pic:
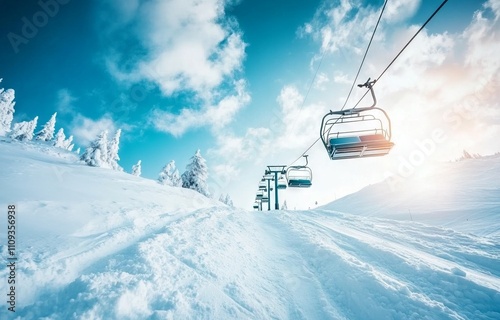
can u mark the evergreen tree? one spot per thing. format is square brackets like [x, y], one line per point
[170, 175]
[6, 110]
[222, 198]
[47, 132]
[228, 200]
[68, 143]
[78, 150]
[284, 206]
[23, 131]
[113, 157]
[60, 139]
[136, 169]
[96, 154]
[196, 175]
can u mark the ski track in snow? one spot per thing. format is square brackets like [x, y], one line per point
[223, 263]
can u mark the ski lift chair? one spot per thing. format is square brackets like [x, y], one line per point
[265, 197]
[282, 182]
[259, 195]
[299, 176]
[262, 185]
[356, 133]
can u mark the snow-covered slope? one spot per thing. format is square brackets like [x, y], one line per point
[462, 195]
[99, 244]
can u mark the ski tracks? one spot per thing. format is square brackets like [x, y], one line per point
[388, 274]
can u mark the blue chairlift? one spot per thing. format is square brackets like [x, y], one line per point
[299, 176]
[357, 132]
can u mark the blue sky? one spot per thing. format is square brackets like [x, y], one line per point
[230, 78]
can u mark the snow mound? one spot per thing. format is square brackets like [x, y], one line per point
[462, 195]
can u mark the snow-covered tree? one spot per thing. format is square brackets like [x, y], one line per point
[78, 150]
[68, 143]
[170, 176]
[23, 131]
[196, 175]
[284, 206]
[136, 169]
[96, 154]
[60, 139]
[71, 146]
[6, 110]
[228, 200]
[113, 146]
[47, 132]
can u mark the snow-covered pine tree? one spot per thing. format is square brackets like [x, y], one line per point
[6, 110]
[71, 146]
[284, 206]
[96, 154]
[196, 175]
[113, 146]
[170, 175]
[23, 131]
[136, 169]
[176, 179]
[67, 143]
[222, 198]
[228, 200]
[60, 138]
[47, 132]
[78, 150]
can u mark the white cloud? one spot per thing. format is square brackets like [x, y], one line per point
[217, 116]
[65, 102]
[191, 45]
[299, 121]
[86, 130]
[321, 81]
[187, 46]
[400, 10]
[341, 78]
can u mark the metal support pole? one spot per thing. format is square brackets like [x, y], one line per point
[276, 203]
[268, 195]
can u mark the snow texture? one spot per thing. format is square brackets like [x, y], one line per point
[463, 195]
[102, 244]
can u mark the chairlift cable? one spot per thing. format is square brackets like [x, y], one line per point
[403, 49]
[385, 70]
[355, 79]
[366, 52]
[303, 153]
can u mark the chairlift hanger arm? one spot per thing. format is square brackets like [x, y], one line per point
[368, 84]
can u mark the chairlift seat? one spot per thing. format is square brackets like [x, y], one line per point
[299, 183]
[359, 146]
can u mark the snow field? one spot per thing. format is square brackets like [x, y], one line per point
[100, 244]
